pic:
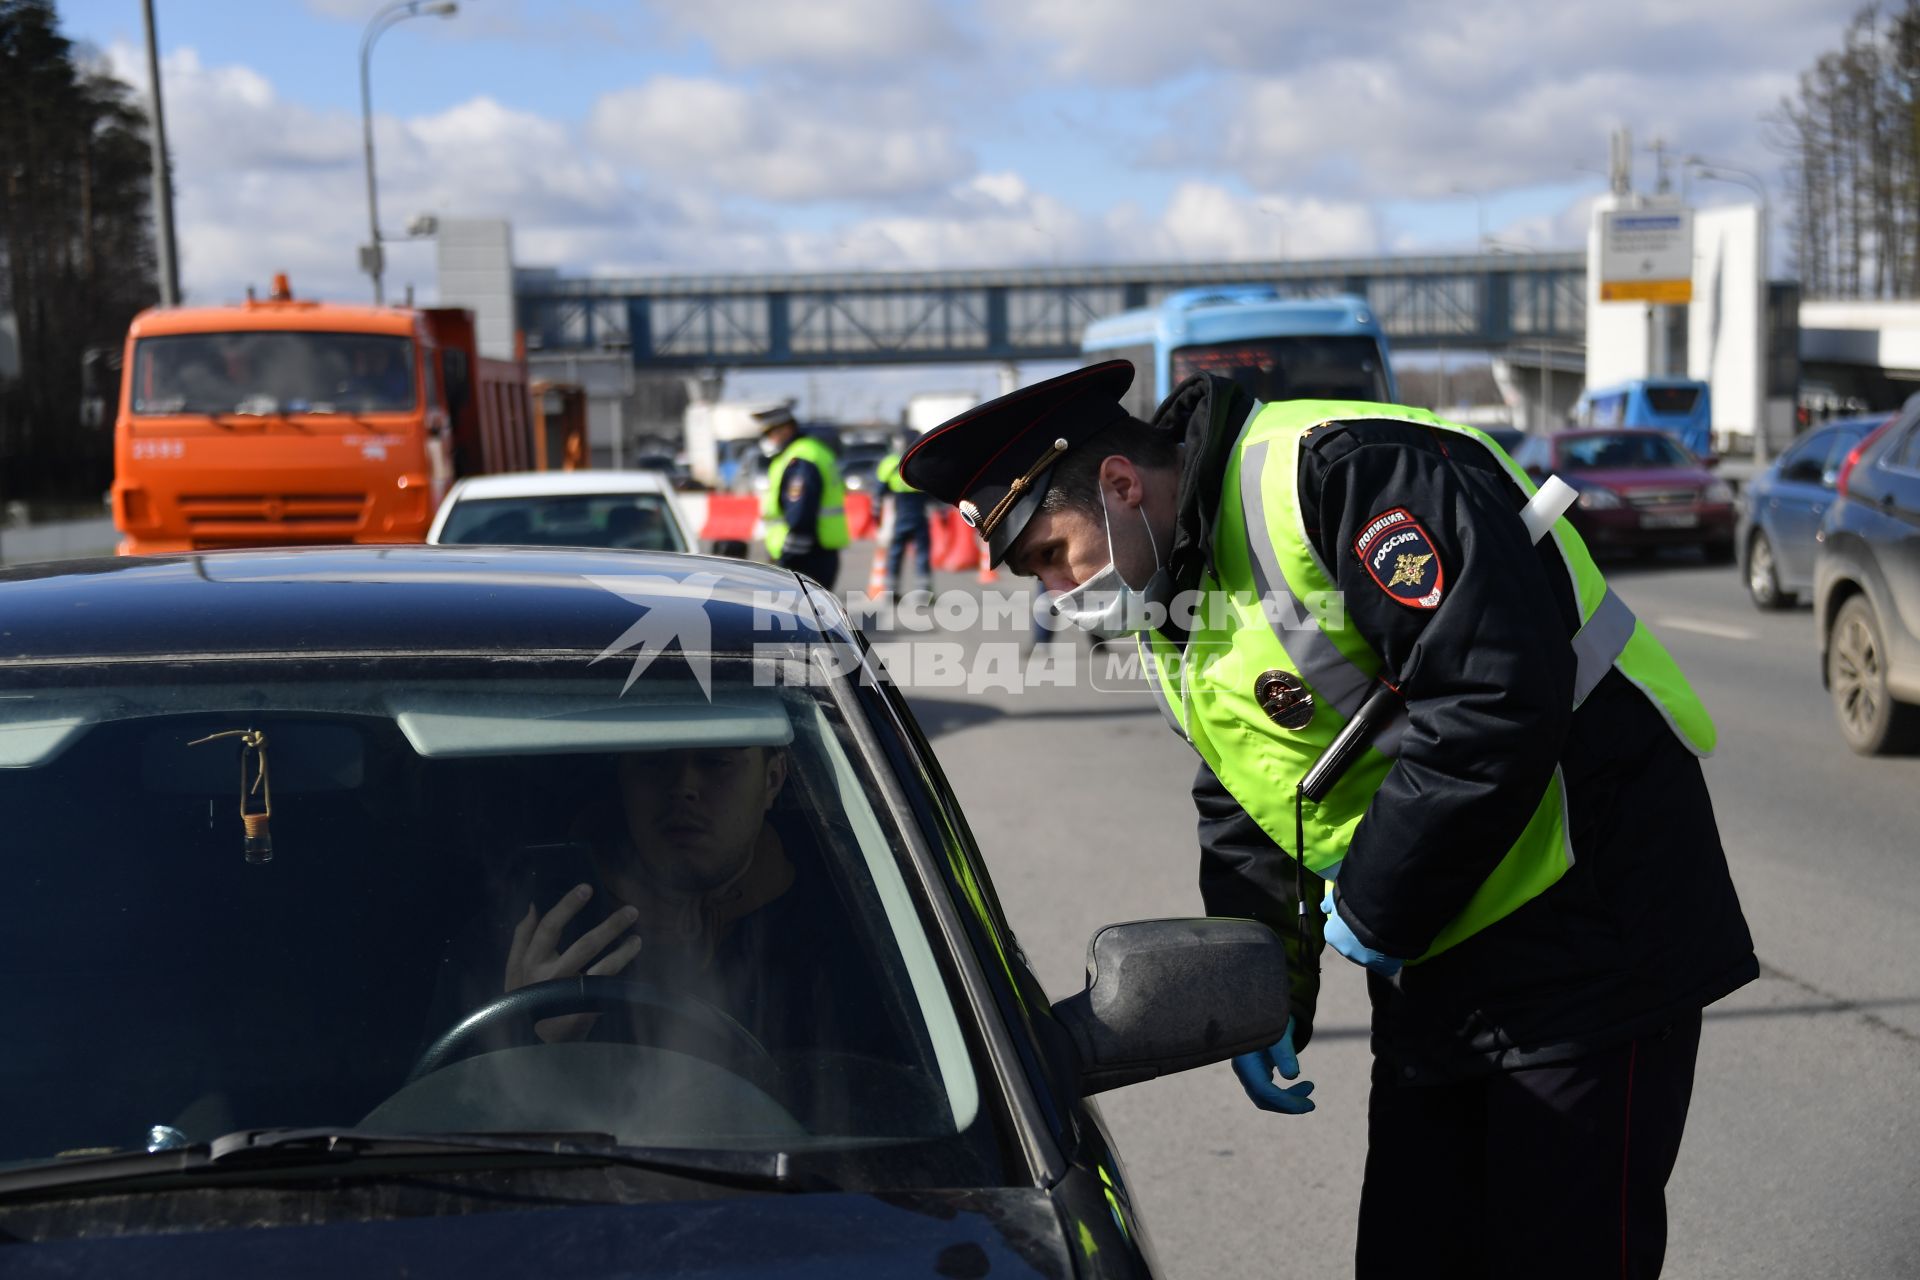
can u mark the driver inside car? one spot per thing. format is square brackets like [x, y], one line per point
[692, 856]
[699, 886]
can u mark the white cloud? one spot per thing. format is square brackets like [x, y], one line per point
[262, 184]
[774, 145]
[1271, 129]
[997, 220]
[860, 37]
[1138, 42]
[1404, 99]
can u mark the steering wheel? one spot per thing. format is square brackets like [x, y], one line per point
[674, 1020]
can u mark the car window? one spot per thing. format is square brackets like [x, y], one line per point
[1624, 451]
[634, 521]
[1844, 441]
[1904, 454]
[420, 832]
[1813, 447]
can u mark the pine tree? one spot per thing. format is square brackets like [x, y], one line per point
[76, 246]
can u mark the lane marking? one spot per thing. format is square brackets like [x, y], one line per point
[1715, 629]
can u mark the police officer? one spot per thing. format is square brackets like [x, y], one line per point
[909, 522]
[1524, 857]
[805, 511]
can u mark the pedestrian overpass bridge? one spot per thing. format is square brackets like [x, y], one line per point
[684, 323]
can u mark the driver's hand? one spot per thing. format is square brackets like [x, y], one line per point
[535, 955]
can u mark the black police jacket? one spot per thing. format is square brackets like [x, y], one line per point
[1646, 926]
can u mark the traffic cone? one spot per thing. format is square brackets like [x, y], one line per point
[877, 581]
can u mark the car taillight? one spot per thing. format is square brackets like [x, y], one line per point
[1853, 456]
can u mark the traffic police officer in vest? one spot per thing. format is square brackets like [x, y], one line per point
[909, 522]
[1521, 851]
[804, 515]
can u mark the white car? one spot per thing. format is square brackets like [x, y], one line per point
[626, 509]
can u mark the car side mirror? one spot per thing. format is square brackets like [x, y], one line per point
[1169, 995]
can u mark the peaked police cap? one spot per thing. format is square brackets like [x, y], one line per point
[995, 460]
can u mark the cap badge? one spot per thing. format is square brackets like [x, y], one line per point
[1284, 698]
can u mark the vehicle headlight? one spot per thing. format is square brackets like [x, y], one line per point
[1599, 499]
[1717, 491]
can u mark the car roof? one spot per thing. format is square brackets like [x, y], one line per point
[1579, 433]
[1857, 422]
[367, 601]
[544, 484]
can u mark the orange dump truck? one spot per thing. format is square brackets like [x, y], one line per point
[288, 421]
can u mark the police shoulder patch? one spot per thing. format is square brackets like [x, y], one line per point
[796, 489]
[1402, 559]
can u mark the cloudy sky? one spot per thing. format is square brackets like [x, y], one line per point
[674, 135]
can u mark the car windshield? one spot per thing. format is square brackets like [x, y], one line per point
[638, 521]
[1623, 451]
[273, 372]
[1301, 368]
[428, 839]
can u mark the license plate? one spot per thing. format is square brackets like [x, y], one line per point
[1672, 520]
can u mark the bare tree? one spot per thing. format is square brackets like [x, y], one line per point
[1850, 140]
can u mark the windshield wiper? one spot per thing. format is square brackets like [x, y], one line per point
[328, 1150]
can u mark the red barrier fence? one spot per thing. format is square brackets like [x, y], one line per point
[863, 519]
[729, 517]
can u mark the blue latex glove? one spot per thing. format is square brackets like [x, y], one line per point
[1256, 1077]
[1342, 939]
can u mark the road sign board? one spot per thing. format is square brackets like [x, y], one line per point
[1646, 255]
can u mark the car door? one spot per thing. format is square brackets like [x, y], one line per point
[1896, 495]
[1800, 491]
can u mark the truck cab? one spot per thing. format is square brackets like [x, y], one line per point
[288, 421]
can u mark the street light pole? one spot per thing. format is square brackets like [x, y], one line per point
[372, 258]
[162, 174]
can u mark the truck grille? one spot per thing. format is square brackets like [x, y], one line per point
[1663, 497]
[306, 512]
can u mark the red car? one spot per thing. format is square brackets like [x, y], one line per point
[1640, 490]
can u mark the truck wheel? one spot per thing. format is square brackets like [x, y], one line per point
[1870, 720]
[1763, 574]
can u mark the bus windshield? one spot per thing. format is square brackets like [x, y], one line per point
[273, 372]
[1667, 401]
[1345, 367]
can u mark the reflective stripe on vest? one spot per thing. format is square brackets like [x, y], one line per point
[830, 526]
[1316, 658]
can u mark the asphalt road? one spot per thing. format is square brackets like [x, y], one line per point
[1802, 1158]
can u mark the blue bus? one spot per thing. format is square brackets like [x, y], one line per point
[1278, 348]
[1683, 406]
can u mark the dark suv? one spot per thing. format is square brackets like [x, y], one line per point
[1866, 582]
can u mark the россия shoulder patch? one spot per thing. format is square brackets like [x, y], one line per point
[1402, 559]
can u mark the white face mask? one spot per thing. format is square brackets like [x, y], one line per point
[768, 449]
[1106, 602]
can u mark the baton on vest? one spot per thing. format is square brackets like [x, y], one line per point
[1548, 504]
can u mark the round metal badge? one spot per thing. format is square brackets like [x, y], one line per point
[1284, 698]
[970, 514]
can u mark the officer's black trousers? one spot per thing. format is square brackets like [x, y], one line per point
[1552, 1171]
[822, 566]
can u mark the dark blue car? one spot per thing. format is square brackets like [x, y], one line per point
[1866, 590]
[1782, 509]
[479, 912]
